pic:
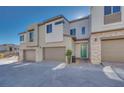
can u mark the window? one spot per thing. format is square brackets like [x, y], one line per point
[59, 22]
[15, 49]
[10, 49]
[31, 36]
[116, 9]
[73, 31]
[49, 28]
[107, 10]
[22, 38]
[83, 30]
[111, 9]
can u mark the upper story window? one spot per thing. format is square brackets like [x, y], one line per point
[31, 36]
[111, 10]
[59, 22]
[83, 30]
[49, 28]
[73, 31]
[116, 9]
[22, 38]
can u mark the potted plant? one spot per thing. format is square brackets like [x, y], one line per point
[69, 55]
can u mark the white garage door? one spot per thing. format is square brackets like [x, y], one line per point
[113, 50]
[29, 55]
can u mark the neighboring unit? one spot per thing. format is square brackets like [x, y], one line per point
[9, 49]
[107, 36]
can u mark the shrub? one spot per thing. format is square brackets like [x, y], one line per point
[69, 54]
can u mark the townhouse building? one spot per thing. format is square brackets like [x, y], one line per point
[98, 37]
[50, 39]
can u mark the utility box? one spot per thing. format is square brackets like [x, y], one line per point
[73, 59]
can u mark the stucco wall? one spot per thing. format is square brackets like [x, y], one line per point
[66, 27]
[78, 26]
[43, 43]
[57, 32]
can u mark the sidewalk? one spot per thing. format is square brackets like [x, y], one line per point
[8, 60]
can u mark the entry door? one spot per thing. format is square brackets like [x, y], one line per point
[84, 51]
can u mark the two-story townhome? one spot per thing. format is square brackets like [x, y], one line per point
[50, 39]
[107, 34]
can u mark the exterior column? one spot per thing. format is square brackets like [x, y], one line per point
[95, 49]
[39, 54]
[21, 56]
[69, 45]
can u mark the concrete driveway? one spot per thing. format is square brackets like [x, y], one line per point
[118, 68]
[44, 75]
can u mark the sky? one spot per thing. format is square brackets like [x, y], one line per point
[15, 19]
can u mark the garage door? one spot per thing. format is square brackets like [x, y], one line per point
[113, 50]
[29, 55]
[54, 53]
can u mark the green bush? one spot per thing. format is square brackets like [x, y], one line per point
[69, 55]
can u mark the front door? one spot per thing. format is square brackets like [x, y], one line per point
[84, 51]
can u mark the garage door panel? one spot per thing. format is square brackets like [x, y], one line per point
[29, 55]
[54, 54]
[113, 50]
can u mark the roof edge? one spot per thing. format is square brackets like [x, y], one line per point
[83, 18]
[52, 19]
[22, 32]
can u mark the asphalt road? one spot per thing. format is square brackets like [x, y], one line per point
[43, 75]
